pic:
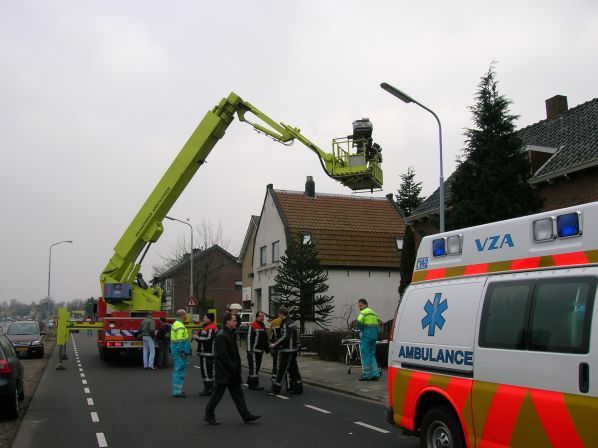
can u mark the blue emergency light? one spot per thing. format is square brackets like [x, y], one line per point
[439, 247]
[568, 225]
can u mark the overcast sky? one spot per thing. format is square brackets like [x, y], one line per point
[97, 98]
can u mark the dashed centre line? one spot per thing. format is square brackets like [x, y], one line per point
[90, 401]
[375, 428]
[86, 390]
[323, 411]
[101, 440]
[94, 417]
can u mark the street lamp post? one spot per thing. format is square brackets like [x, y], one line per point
[49, 277]
[190, 254]
[407, 99]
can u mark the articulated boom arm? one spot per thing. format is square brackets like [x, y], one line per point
[122, 284]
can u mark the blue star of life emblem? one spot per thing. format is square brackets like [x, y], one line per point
[434, 312]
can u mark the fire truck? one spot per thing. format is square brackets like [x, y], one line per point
[355, 161]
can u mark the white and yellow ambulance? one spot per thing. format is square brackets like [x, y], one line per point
[495, 343]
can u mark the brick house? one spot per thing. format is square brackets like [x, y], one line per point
[217, 274]
[356, 238]
[563, 153]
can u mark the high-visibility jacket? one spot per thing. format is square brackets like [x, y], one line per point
[368, 323]
[178, 332]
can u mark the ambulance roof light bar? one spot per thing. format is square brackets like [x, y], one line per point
[448, 245]
[562, 226]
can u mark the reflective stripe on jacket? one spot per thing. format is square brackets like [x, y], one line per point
[368, 323]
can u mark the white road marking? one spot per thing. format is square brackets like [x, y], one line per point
[94, 417]
[82, 375]
[323, 411]
[90, 401]
[80, 370]
[280, 396]
[101, 440]
[86, 390]
[84, 381]
[375, 428]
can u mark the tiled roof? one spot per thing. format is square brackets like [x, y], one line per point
[351, 231]
[575, 136]
[197, 255]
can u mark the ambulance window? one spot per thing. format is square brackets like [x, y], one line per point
[561, 315]
[504, 318]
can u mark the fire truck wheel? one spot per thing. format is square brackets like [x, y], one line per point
[441, 429]
[104, 355]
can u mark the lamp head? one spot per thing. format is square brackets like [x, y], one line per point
[396, 92]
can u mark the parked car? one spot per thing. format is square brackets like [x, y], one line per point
[11, 378]
[26, 337]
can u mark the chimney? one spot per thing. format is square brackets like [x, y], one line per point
[310, 187]
[555, 106]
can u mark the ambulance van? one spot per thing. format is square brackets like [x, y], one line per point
[495, 342]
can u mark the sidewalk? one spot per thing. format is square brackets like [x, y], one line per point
[330, 375]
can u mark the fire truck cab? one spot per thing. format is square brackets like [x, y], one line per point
[495, 342]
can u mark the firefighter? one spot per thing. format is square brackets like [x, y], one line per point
[287, 356]
[257, 343]
[206, 345]
[180, 348]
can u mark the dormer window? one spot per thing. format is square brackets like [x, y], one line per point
[306, 238]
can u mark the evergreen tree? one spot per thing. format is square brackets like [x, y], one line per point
[491, 183]
[408, 199]
[301, 285]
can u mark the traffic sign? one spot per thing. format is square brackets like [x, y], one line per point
[191, 302]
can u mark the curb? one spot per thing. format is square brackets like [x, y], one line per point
[377, 398]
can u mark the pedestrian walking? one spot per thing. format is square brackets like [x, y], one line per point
[274, 336]
[257, 344]
[148, 331]
[228, 374]
[180, 348]
[163, 337]
[368, 335]
[287, 356]
[207, 351]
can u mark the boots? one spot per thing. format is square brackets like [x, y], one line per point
[253, 383]
[208, 387]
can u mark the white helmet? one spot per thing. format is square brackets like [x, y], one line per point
[235, 306]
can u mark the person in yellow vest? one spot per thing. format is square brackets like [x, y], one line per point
[274, 331]
[180, 347]
[368, 334]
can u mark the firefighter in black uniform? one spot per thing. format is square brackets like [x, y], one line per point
[275, 336]
[257, 344]
[206, 345]
[287, 356]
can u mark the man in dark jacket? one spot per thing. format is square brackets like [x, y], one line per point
[257, 344]
[228, 373]
[287, 356]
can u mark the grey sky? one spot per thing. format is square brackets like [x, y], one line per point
[97, 98]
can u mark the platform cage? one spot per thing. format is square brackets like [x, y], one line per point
[356, 163]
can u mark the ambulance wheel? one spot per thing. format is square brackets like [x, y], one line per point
[441, 429]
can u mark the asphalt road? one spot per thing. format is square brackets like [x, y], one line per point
[118, 404]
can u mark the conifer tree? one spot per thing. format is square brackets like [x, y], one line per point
[409, 193]
[408, 199]
[301, 285]
[491, 183]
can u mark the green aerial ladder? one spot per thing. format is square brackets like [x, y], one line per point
[354, 161]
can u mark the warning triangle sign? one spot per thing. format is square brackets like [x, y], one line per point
[191, 302]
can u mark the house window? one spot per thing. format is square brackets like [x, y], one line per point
[263, 256]
[273, 307]
[275, 251]
[306, 238]
[399, 242]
